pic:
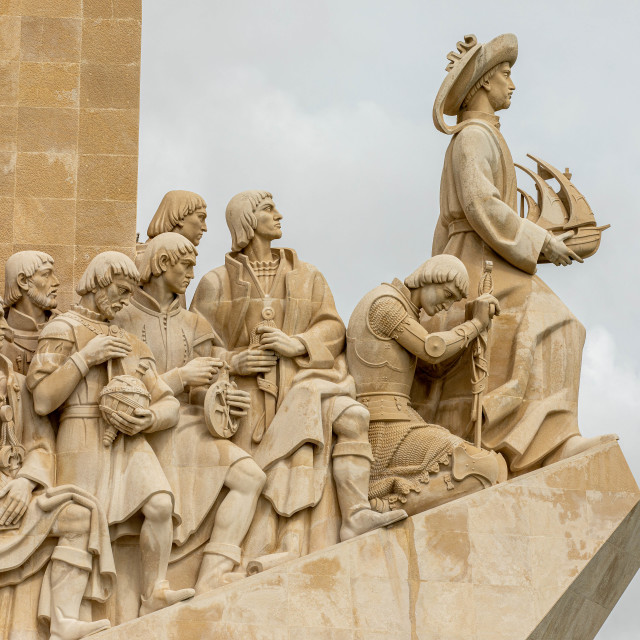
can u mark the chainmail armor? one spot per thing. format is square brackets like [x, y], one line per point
[385, 315]
[405, 453]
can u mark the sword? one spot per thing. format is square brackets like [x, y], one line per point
[267, 382]
[479, 361]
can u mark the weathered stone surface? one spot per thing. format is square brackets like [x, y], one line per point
[546, 555]
[69, 105]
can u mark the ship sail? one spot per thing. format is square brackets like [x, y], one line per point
[566, 210]
[580, 213]
[553, 214]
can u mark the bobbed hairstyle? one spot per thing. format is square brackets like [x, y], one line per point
[170, 245]
[440, 270]
[174, 208]
[25, 263]
[103, 269]
[241, 217]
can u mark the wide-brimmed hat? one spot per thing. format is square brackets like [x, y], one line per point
[466, 67]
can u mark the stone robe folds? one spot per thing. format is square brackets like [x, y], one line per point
[535, 345]
[195, 463]
[126, 474]
[295, 449]
[26, 549]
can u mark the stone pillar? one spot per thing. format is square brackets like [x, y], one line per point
[69, 111]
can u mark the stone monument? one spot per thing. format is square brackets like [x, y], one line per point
[249, 468]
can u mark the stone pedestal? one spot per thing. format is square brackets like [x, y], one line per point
[69, 108]
[546, 556]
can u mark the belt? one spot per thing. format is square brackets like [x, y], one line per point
[81, 411]
[459, 226]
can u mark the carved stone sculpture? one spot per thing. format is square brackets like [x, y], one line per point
[530, 408]
[416, 465]
[283, 338]
[30, 295]
[182, 212]
[41, 524]
[78, 352]
[197, 465]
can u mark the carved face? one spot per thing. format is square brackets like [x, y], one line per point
[438, 297]
[269, 217]
[178, 276]
[42, 287]
[500, 87]
[110, 299]
[193, 226]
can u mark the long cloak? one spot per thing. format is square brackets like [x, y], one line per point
[535, 345]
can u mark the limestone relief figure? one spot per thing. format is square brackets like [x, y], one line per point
[416, 465]
[182, 212]
[151, 453]
[30, 296]
[39, 523]
[283, 339]
[78, 351]
[196, 464]
[530, 407]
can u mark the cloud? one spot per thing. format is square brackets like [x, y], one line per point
[610, 394]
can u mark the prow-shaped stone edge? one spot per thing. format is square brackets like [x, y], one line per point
[585, 605]
[502, 564]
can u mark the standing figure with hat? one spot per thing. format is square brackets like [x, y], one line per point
[530, 409]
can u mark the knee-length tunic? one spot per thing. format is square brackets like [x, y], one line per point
[195, 463]
[125, 475]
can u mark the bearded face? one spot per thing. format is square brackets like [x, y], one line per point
[110, 299]
[42, 288]
[44, 300]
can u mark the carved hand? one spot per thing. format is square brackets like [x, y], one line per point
[484, 308]
[238, 401]
[557, 252]
[252, 361]
[130, 425]
[200, 371]
[277, 340]
[103, 348]
[15, 500]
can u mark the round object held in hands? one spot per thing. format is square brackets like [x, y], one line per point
[219, 421]
[124, 394]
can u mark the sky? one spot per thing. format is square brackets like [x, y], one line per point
[328, 106]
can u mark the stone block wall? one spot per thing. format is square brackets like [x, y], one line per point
[69, 111]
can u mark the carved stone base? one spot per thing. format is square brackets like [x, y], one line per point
[546, 555]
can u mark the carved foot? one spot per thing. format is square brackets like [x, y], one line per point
[215, 571]
[576, 445]
[163, 597]
[69, 629]
[367, 520]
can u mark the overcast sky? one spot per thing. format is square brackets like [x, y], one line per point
[328, 106]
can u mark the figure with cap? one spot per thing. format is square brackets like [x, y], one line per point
[530, 409]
